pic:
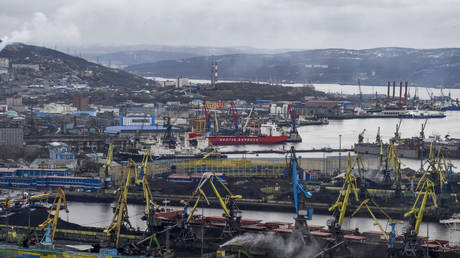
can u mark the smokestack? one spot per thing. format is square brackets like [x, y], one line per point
[394, 89]
[388, 94]
[400, 93]
[405, 93]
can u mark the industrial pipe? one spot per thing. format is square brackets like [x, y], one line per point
[400, 93]
[405, 93]
[394, 89]
[388, 93]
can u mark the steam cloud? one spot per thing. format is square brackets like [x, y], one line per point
[42, 30]
[4, 42]
[293, 246]
[257, 23]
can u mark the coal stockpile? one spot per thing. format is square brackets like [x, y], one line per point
[38, 216]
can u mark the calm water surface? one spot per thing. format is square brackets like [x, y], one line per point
[100, 215]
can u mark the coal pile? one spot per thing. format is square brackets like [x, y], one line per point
[38, 216]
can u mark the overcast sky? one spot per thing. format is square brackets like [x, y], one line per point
[301, 24]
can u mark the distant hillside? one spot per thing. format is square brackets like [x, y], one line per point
[127, 58]
[122, 56]
[57, 68]
[424, 67]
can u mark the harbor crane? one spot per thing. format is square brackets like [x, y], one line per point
[120, 216]
[228, 203]
[293, 116]
[105, 169]
[390, 238]
[361, 136]
[141, 178]
[437, 170]
[393, 163]
[340, 206]
[235, 115]
[247, 119]
[378, 138]
[392, 222]
[397, 136]
[415, 215]
[208, 118]
[51, 222]
[302, 215]
[422, 132]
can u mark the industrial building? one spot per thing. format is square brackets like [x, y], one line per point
[11, 132]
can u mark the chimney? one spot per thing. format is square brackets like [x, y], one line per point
[394, 89]
[388, 94]
[400, 93]
[405, 94]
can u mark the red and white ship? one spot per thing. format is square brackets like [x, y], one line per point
[243, 140]
[268, 135]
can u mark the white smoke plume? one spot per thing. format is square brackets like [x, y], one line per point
[4, 42]
[42, 29]
[275, 245]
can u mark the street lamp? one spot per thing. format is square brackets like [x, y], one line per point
[340, 152]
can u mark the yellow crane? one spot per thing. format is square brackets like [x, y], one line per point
[437, 169]
[426, 190]
[120, 215]
[56, 206]
[200, 162]
[227, 203]
[104, 171]
[395, 163]
[391, 221]
[416, 216]
[340, 205]
[208, 177]
[141, 178]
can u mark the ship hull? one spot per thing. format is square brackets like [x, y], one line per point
[403, 151]
[244, 140]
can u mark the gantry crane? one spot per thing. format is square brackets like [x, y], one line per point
[51, 222]
[416, 216]
[231, 212]
[104, 171]
[340, 206]
[120, 216]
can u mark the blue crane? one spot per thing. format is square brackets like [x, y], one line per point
[296, 187]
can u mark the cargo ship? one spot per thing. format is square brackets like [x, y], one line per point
[268, 134]
[243, 140]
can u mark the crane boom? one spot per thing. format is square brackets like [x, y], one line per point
[104, 172]
[426, 190]
[348, 186]
[58, 200]
[121, 211]
[235, 115]
[247, 119]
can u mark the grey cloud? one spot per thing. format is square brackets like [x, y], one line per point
[256, 23]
